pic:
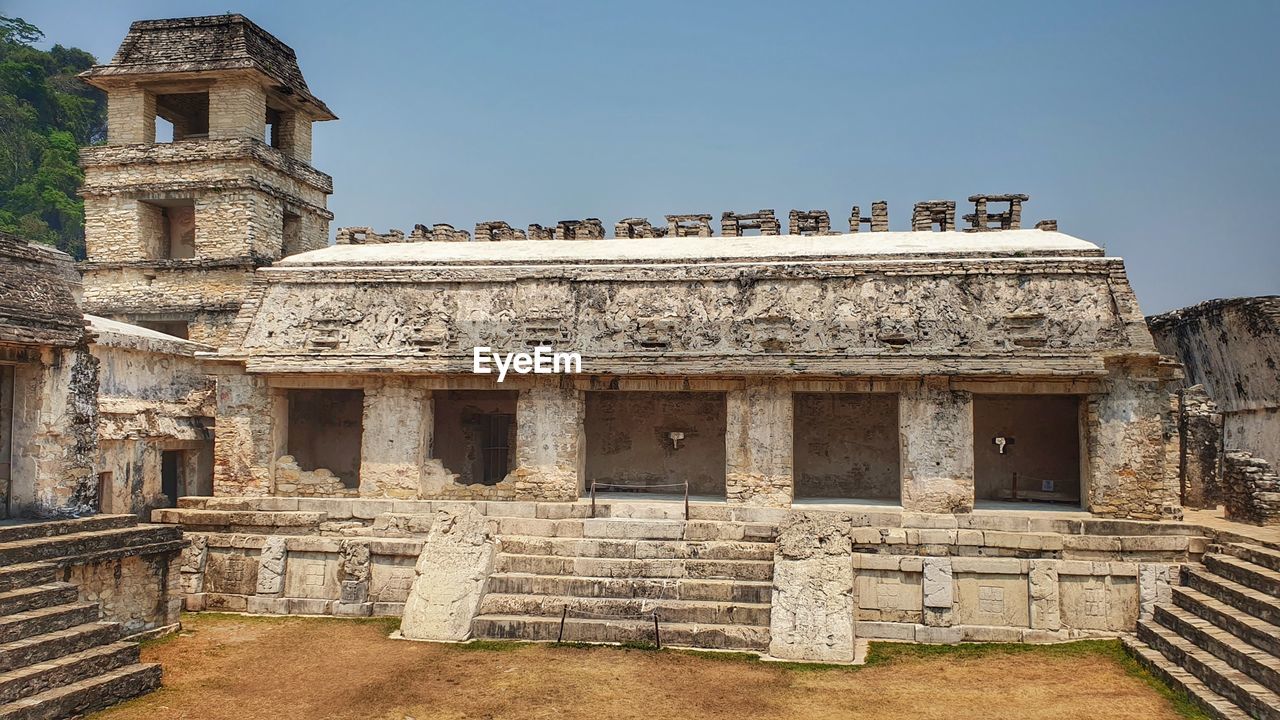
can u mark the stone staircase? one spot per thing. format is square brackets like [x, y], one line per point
[57, 658]
[1219, 638]
[708, 581]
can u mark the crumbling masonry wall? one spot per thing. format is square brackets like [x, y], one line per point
[1250, 489]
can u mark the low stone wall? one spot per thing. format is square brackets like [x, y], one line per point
[893, 575]
[1250, 489]
[142, 592]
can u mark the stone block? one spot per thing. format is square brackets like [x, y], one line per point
[267, 605]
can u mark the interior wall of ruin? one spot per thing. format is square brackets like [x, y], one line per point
[1044, 453]
[758, 466]
[629, 440]
[462, 427]
[249, 434]
[325, 430]
[846, 446]
[550, 441]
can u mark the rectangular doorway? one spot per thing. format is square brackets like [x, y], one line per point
[847, 447]
[654, 442]
[171, 476]
[474, 434]
[1026, 448]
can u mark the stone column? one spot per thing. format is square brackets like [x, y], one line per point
[1127, 427]
[550, 447]
[1200, 461]
[396, 437]
[269, 599]
[758, 444]
[244, 443]
[936, 435]
[131, 116]
[813, 611]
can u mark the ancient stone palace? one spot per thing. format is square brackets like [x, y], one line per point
[787, 432]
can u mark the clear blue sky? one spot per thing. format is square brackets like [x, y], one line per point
[1152, 128]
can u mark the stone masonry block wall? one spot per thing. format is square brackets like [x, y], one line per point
[245, 436]
[1200, 461]
[237, 108]
[758, 463]
[1127, 429]
[937, 448]
[142, 592]
[131, 116]
[1250, 489]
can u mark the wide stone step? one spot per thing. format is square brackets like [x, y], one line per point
[26, 531]
[677, 611]
[620, 567]
[34, 679]
[1244, 572]
[1241, 597]
[637, 549]
[39, 648]
[86, 695]
[37, 549]
[13, 577]
[612, 587]
[1256, 554]
[37, 596]
[1257, 632]
[1157, 664]
[1248, 694]
[1237, 653]
[723, 637]
[45, 620]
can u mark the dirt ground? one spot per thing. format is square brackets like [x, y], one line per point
[227, 666]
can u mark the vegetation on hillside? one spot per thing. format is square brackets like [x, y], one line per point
[46, 115]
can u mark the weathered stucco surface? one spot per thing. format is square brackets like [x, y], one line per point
[813, 599]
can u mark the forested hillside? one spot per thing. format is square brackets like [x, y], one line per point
[45, 115]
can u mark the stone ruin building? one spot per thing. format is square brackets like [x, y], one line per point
[781, 443]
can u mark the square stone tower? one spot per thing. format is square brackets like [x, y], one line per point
[174, 228]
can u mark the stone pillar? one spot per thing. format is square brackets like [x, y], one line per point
[244, 438]
[131, 116]
[271, 569]
[396, 437]
[1126, 428]
[1046, 609]
[353, 600]
[550, 447]
[237, 109]
[758, 444]
[813, 609]
[936, 436]
[1200, 460]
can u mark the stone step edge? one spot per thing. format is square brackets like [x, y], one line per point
[99, 699]
[1154, 661]
[673, 603]
[1235, 588]
[42, 588]
[638, 623]
[602, 578]
[141, 530]
[18, 675]
[30, 531]
[109, 554]
[566, 540]
[112, 632]
[1257, 662]
[1273, 556]
[1269, 576]
[1237, 680]
[759, 563]
[1253, 622]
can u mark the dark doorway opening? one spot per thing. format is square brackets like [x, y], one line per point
[474, 433]
[171, 475]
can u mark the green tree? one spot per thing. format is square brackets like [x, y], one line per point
[46, 115]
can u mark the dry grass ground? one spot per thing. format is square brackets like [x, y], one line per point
[227, 666]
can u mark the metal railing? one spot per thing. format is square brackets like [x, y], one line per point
[633, 487]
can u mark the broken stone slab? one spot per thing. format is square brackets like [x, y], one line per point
[450, 577]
